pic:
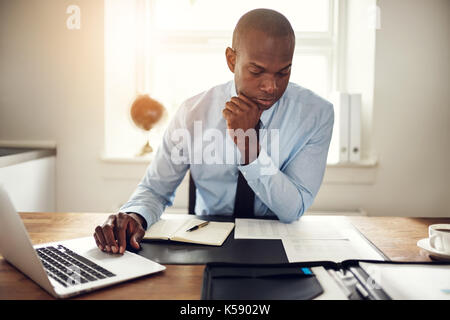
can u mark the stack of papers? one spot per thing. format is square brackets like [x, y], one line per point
[411, 282]
[311, 238]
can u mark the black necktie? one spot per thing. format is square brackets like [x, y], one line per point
[245, 197]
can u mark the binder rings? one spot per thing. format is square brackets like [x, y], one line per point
[231, 281]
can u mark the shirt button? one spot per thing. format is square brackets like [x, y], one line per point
[244, 173]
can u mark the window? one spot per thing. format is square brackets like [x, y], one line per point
[174, 49]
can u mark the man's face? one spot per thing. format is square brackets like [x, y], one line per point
[261, 66]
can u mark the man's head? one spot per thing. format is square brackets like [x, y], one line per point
[261, 57]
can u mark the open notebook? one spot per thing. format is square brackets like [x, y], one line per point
[213, 234]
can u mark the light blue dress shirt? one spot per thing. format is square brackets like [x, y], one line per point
[285, 177]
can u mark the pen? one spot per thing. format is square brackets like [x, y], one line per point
[201, 225]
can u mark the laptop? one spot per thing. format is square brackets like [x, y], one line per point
[65, 268]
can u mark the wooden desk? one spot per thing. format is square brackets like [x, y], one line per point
[396, 237]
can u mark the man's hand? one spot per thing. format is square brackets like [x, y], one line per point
[118, 230]
[242, 113]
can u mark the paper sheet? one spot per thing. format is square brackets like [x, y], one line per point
[337, 250]
[411, 282]
[309, 227]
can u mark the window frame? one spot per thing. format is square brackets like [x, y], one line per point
[330, 44]
[327, 44]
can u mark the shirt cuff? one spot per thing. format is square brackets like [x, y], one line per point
[149, 217]
[261, 166]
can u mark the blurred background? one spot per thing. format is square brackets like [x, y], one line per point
[70, 71]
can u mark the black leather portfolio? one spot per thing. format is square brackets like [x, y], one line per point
[256, 251]
[232, 250]
[294, 281]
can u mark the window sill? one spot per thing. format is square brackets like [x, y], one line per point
[355, 173]
[126, 159]
[359, 173]
[367, 163]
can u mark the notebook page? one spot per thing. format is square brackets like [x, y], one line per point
[215, 233]
[164, 228]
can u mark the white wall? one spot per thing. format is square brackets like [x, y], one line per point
[52, 88]
[360, 64]
[31, 184]
[411, 116]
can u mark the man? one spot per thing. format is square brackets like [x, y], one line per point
[260, 97]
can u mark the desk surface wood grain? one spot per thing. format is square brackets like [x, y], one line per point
[395, 236]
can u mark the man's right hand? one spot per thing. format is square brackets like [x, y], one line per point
[119, 230]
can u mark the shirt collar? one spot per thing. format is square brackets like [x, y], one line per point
[266, 115]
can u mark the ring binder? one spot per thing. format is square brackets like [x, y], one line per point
[358, 284]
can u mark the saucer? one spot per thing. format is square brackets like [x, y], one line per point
[425, 245]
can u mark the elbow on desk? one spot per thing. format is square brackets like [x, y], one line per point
[294, 216]
[303, 200]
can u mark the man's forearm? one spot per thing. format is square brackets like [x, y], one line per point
[275, 189]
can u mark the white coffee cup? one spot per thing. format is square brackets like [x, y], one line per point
[439, 237]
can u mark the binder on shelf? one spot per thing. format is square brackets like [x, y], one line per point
[355, 128]
[343, 101]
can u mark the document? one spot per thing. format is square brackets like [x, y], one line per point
[215, 233]
[307, 227]
[337, 250]
[411, 282]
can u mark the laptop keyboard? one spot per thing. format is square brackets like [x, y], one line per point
[69, 268]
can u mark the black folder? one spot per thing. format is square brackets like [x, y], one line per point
[229, 281]
[232, 250]
[289, 281]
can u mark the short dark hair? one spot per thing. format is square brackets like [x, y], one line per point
[268, 21]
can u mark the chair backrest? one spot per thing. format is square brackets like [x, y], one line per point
[192, 195]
